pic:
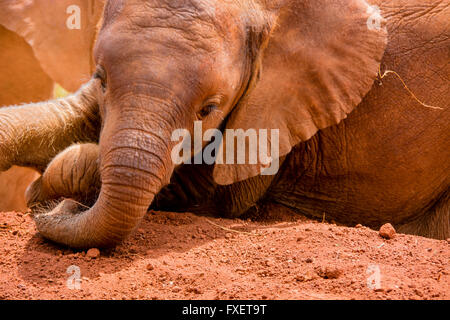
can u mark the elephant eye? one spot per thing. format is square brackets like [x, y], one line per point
[206, 110]
[101, 75]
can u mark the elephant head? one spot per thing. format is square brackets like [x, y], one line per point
[296, 66]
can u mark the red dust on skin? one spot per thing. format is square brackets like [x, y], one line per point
[185, 256]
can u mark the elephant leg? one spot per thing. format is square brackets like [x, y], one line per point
[71, 174]
[433, 224]
[192, 188]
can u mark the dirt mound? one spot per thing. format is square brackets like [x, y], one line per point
[184, 256]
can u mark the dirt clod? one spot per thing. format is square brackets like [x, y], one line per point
[195, 290]
[93, 253]
[387, 231]
[308, 276]
[176, 289]
[329, 272]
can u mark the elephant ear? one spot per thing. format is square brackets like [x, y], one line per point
[321, 59]
[51, 29]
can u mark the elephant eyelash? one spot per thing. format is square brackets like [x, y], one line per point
[207, 110]
[100, 75]
[103, 84]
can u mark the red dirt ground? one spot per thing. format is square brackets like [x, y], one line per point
[185, 256]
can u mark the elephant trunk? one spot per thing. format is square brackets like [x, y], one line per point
[134, 165]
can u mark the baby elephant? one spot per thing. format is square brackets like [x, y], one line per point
[303, 78]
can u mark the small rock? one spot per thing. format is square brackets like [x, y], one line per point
[308, 276]
[387, 231]
[93, 253]
[195, 290]
[309, 260]
[448, 240]
[418, 293]
[241, 270]
[133, 249]
[268, 262]
[176, 289]
[150, 267]
[329, 272]
[358, 226]
[300, 278]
